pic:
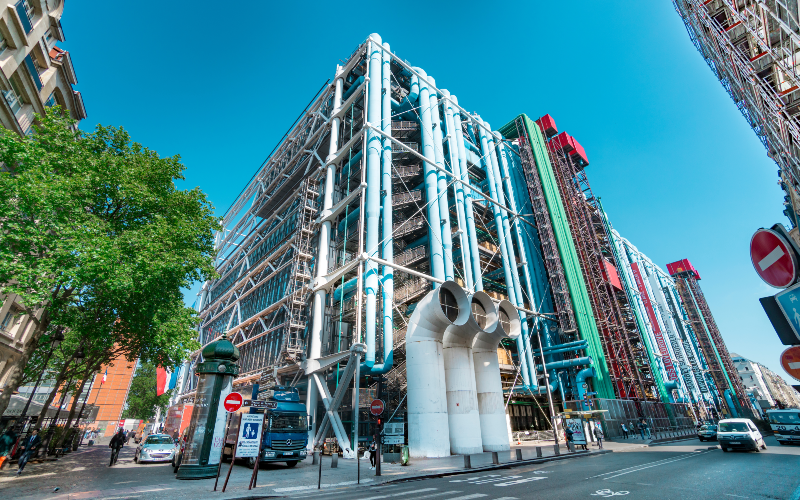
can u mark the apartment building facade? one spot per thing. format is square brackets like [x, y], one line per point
[34, 74]
[766, 385]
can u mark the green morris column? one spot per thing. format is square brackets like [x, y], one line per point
[207, 427]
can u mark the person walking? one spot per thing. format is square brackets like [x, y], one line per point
[30, 446]
[646, 429]
[598, 435]
[624, 431]
[7, 441]
[117, 442]
[640, 427]
[373, 452]
[568, 434]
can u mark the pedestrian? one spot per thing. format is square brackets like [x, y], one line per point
[133, 436]
[175, 435]
[568, 434]
[646, 429]
[640, 427]
[30, 445]
[7, 441]
[624, 431]
[127, 436]
[373, 452]
[598, 434]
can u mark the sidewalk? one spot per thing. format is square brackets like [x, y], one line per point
[85, 474]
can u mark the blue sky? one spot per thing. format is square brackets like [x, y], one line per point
[679, 172]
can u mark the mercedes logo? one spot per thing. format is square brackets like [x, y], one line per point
[288, 442]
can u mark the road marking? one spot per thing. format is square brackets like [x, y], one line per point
[608, 493]
[520, 481]
[469, 497]
[407, 492]
[637, 466]
[771, 258]
[732, 495]
[302, 488]
[656, 465]
[507, 498]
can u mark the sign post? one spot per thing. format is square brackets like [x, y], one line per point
[773, 258]
[790, 361]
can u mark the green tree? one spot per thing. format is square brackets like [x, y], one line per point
[142, 401]
[96, 237]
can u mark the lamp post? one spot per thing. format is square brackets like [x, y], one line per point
[57, 338]
[207, 427]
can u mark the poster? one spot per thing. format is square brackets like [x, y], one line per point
[576, 426]
[218, 441]
[249, 435]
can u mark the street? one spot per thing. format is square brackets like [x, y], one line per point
[684, 470]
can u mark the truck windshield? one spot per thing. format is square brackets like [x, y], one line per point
[791, 418]
[287, 422]
[733, 427]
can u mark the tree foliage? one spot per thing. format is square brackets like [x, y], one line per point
[96, 236]
[142, 402]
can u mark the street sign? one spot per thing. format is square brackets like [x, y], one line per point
[261, 405]
[233, 402]
[790, 361]
[773, 258]
[376, 407]
[249, 435]
[789, 303]
[394, 428]
[393, 439]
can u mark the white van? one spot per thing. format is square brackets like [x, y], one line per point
[739, 434]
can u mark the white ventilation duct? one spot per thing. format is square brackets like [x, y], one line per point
[459, 373]
[491, 409]
[428, 428]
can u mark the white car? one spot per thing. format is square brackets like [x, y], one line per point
[739, 434]
[156, 448]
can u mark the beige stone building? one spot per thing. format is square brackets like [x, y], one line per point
[34, 74]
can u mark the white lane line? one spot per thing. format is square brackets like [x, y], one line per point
[732, 495]
[520, 481]
[400, 494]
[469, 497]
[657, 465]
[304, 488]
[507, 498]
[637, 466]
[771, 258]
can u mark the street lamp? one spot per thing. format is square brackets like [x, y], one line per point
[207, 427]
[55, 340]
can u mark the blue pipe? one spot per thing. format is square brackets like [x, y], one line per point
[344, 289]
[349, 219]
[669, 386]
[567, 363]
[580, 379]
[548, 347]
[471, 146]
[352, 88]
[729, 399]
[413, 90]
[373, 197]
[523, 345]
[431, 183]
[554, 350]
[469, 216]
[347, 168]
[387, 253]
[444, 208]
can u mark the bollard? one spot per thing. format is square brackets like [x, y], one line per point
[556, 450]
[334, 461]
[315, 460]
[467, 462]
[538, 452]
[495, 458]
[519, 454]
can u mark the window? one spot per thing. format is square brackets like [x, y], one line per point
[449, 304]
[479, 312]
[7, 319]
[505, 322]
[51, 101]
[3, 43]
[28, 8]
[732, 427]
[25, 12]
[48, 39]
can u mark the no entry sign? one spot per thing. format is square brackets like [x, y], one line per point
[773, 258]
[233, 402]
[790, 360]
[376, 407]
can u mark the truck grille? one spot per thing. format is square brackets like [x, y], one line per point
[280, 445]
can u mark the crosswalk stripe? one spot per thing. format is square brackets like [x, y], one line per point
[402, 493]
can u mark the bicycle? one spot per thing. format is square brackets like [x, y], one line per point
[114, 456]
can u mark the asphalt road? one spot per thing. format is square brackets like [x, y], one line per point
[686, 470]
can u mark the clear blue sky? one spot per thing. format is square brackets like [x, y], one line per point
[680, 173]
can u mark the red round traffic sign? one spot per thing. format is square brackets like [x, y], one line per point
[773, 258]
[376, 407]
[233, 402]
[790, 361]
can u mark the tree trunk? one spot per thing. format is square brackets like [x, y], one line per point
[59, 380]
[17, 372]
[77, 392]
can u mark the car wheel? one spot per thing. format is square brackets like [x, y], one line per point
[763, 445]
[725, 449]
[757, 448]
[782, 443]
[291, 463]
[701, 440]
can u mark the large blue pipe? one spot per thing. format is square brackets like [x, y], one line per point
[387, 278]
[431, 182]
[373, 196]
[455, 167]
[352, 88]
[580, 379]
[441, 183]
[567, 363]
[523, 346]
[732, 406]
[469, 217]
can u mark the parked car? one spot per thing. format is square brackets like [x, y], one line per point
[739, 434]
[707, 432]
[155, 448]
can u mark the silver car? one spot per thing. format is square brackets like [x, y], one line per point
[156, 448]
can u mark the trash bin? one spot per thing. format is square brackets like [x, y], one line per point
[404, 456]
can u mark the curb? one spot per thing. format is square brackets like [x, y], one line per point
[506, 465]
[672, 439]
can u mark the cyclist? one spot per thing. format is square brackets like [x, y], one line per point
[117, 442]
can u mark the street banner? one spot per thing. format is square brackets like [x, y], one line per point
[576, 426]
[249, 435]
